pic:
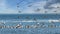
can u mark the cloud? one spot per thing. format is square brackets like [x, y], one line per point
[56, 7]
[33, 8]
[51, 6]
[50, 2]
[41, 7]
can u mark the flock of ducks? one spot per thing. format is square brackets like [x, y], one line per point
[38, 25]
[31, 26]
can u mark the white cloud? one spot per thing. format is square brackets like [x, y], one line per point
[30, 10]
[41, 5]
[56, 7]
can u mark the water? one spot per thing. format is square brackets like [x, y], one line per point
[15, 19]
[31, 16]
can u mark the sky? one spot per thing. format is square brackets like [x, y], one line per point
[29, 6]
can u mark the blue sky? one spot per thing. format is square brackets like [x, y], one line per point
[36, 6]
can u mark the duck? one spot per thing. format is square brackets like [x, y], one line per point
[19, 26]
[28, 26]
